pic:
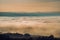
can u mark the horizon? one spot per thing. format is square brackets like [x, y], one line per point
[33, 12]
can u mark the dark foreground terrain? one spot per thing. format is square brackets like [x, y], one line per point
[16, 36]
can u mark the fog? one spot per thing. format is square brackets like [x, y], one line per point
[32, 25]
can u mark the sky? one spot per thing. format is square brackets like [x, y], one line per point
[29, 5]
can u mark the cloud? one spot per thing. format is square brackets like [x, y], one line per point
[29, 5]
[47, 0]
[9, 1]
[33, 26]
[46, 29]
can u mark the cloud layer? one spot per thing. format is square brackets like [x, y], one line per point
[33, 25]
[29, 5]
[29, 1]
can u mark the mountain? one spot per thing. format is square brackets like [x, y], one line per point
[29, 14]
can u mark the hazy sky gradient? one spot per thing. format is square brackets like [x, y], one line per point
[29, 5]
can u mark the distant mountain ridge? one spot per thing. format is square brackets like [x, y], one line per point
[29, 14]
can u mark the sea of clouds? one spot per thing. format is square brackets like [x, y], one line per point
[33, 25]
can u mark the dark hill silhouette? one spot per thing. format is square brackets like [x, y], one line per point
[16, 36]
[13, 14]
